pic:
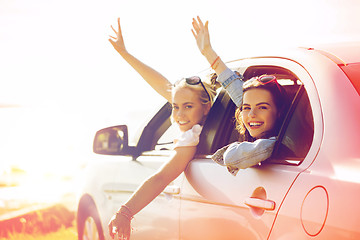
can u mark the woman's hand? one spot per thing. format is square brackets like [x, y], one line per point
[118, 41]
[120, 225]
[201, 34]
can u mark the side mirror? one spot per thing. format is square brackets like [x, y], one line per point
[112, 141]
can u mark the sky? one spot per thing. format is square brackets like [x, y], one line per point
[55, 55]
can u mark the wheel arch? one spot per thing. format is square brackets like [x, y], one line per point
[87, 207]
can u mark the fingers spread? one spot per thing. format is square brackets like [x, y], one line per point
[114, 30]
[119, 24]
[194, 33]
[200, 22]
[196, 26]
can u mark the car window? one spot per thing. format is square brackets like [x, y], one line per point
[297, 134]
[212, 128]
[165, 142]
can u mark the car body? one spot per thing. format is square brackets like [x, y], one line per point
[309, 188]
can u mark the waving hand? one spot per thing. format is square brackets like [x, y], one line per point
[157, 81]
[118, 41]
[201, 34]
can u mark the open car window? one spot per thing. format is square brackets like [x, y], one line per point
[296, 135]
[294, 139]
[166, 140]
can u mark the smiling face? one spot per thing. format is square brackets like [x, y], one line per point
[259, 112]
[188, 109]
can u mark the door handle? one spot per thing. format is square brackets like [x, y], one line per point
[172, 190]
[260, 203]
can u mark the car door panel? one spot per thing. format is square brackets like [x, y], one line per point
[125, 177]
[219, 197]
[318, 206]
[165, 207]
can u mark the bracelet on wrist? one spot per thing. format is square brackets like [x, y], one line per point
[128, 217]
[213, 64]
[125, 211]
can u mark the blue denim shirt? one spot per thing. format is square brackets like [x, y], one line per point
[233, 85]
[240, 155]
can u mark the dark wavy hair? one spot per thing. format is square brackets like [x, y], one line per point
[280, 99]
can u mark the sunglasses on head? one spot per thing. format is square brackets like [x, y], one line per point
[265, 79]
[195, 80]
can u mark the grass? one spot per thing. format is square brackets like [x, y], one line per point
[54, 223]
[62, 234]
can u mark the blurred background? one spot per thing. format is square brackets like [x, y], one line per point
[61, 80]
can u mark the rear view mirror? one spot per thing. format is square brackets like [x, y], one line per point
[111, 141]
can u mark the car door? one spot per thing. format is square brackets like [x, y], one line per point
[159, 219]
[218, 205]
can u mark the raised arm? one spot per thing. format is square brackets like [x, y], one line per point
[157, 81]
[229, 79]
[150, 189]
[202, 36]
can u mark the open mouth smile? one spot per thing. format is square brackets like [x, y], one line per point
[183, 122]
[255, 125]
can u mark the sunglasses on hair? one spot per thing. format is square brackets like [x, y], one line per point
[265, 79]
[195, 80]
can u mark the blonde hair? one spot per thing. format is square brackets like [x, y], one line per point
[199, 89]
[205, 97]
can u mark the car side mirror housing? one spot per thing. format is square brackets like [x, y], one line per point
[112, 141]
